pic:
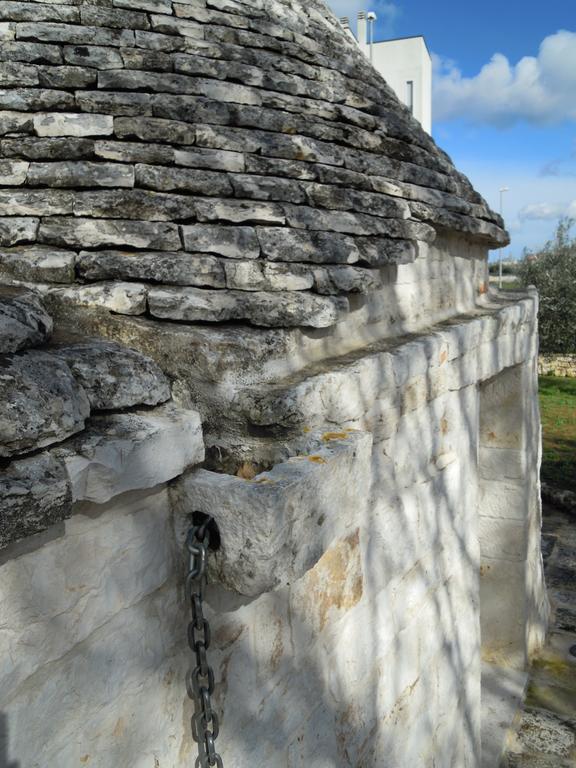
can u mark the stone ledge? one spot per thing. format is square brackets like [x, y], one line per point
[271, 527]
[118, 453]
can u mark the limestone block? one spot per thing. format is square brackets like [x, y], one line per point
[137, 450]
[17, 229]
[17, 74]
[13, 172]
[220, 160]
[154, 129]
[260, 308]
[135, 204]
[166, 267]
[15, 122]
[113, 376]
[232, 242]
[258, 276]
[240, 212]
[35, 494]
[122, 298]
[318, 247]
[67, 77]
[56, 124]
[35, 202]
[23, 322]
[345, 279]
[199, 182]
[94, 233]
[73, 34]
[36, 99]
[272, 527]
[380, 251]
[41, 401]
[81, 174]
[58, 148]
[98, 57]
[31, 262]
[134, 152]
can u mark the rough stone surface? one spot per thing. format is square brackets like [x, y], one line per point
[115, 377]
[217, 114]
[23, 322]
[125, 452]
[41, 401]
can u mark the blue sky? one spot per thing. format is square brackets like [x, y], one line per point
[504, 98]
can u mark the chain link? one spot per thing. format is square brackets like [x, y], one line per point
[200, 678]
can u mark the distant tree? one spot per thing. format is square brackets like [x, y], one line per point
[553, 271]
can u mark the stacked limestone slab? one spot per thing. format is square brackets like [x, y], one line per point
[72, 424]
[211, 161]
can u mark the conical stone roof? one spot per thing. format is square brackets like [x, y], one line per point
[211, 160]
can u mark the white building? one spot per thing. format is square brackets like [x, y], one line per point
[405, 63]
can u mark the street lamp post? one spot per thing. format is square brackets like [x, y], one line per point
[371, 18]
[502, 191]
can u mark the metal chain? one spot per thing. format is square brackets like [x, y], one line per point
[200, 679]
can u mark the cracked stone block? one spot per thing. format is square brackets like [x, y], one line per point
[114, 376]
[17, 229]
[122, 298]
[94, 233]
[35, 494]
[42, 403]
[13, 172]
[232, 242]
[37, 263]
[23, 322]
[128, 451]
[55, 124]
[281, 309]
[177, 268]
[271, 526]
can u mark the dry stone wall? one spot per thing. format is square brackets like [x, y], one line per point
[557, 365]
[211, 160]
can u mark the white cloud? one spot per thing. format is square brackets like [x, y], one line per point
[539, 90]
[547, 211]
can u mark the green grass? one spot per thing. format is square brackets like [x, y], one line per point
[558, 407]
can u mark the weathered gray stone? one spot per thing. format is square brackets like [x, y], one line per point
[279, 244]
[92, 56]
[260, 276]
[31, 262]
[23, 322]
[35, 202]
[124, 452]
[161, 267]
[121, 298]
[133, 152]
[41, 401]
[16, 229]
[154, 129]
[67, 77]
[178, 179]
[113, 376]
[233, 242]
[17, 74]
[81, 174]
[268, 188]
[134, 204]
[35, 99]
[64, 148]
[267, 309]
[73, 34]
[35, 494]
[114, 103]
[148, 60]
[345, 279]
[94, 233]
[35, 53]
[209, 158]
[15, 122]
[16, 11]
[240, 212]
[114, 18]
[379, 251]
[13, 172]
[55, 124]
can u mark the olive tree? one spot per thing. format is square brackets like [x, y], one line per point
[553, 271]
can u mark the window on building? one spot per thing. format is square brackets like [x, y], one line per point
[410, 95]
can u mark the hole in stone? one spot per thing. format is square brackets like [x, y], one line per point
[573, 650]
[214, 541]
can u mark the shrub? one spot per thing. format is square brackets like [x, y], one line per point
[553, 271]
